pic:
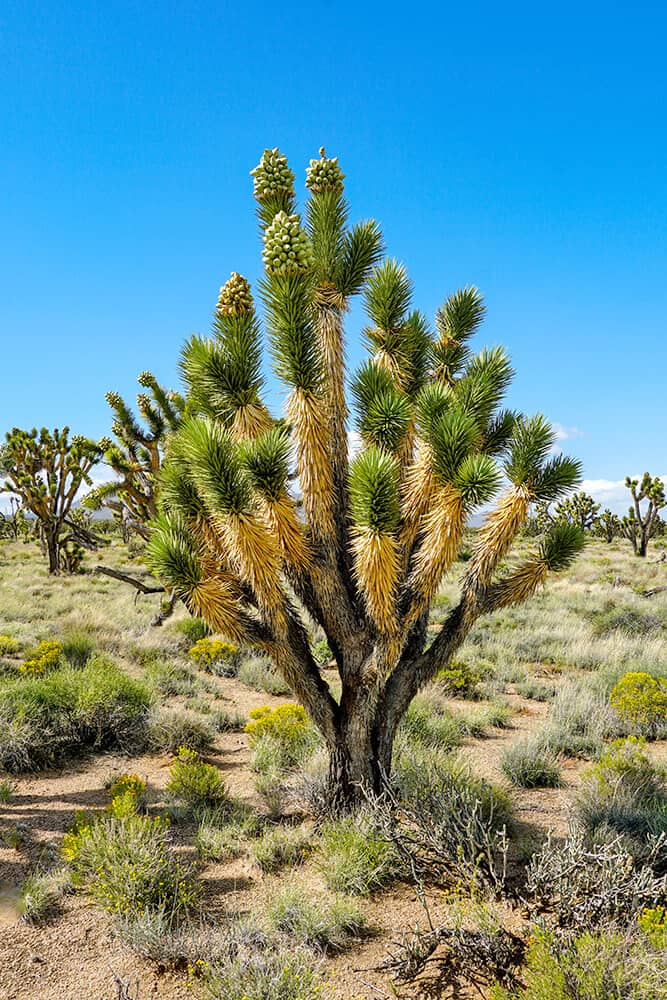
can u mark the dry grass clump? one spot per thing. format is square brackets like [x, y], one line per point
[531, 764]
[70, 710]
[325, 924]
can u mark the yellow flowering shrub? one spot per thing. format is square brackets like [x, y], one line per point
[640, 701]
[209, 653]
[44, 657]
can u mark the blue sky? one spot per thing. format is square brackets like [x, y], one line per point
[518, 147]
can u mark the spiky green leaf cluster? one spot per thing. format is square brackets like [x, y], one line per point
[374, 492]
[266, 460]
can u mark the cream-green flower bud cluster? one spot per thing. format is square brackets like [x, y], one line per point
[146, 379]
[143, 402]
[235, 296]
[286, 246]
[105, 443]
[113, 399]
[324, 174]
[272, 175]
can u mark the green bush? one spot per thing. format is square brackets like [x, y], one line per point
[45, 718]
[624, 791]
[452, 824]
[44, 657]
[41, 894]
[172, 678]
[427, 723]
[461, 680]
[324, 924]
[128, 795]
[529, 764]
[78, 647]
[128, 867]
[170, 729]
[193, 629]
[627, 620]
[259, 673]
[9, 646]
[641, 702]
[195, 783]
[215, 655]
[354, 857]
[281, 737]
[280, 846]
[221, 837]
[6, 789]
[594, 966]
[266, 975]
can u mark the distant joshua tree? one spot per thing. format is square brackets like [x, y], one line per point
[608, 526]
[137, 454]
[640, 526]
[363, 549]
[46, 471]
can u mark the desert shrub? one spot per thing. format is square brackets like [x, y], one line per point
[593, 966]
[281, 737]
[354, 857]
[6, 789]
[41, 894]
[9, 646]
[324, 924]
[266, 974]
[585, 884]
[495, 715]
[461, 680]
[271, 787]
[427, 723]
[641, 703]
[445, 823]
[611, 618]
[194, 782]
[322, 652]
[128, 867]
[78, 647]
[653, 923]
[535, 689]
[581, 718]
[279, 847]
[193, 629]
[259, 673]
[44, 718]
[529, 764]
[170, 729]
[221, 837]
[128, 795]
[215, 655]
[172, 678]
[186, 944]
[44, 657]
[228, 722]
[624, 791]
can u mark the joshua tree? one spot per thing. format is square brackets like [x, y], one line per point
[45, 471]
[137, 455]
[364, 548]
[608, 525]
[640, 526]
[580, 508]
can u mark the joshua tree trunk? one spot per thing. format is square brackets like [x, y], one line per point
[52, 548]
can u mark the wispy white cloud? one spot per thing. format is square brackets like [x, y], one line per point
[611, 493]
[564, 433]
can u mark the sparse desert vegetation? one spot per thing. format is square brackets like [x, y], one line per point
[179, 861]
